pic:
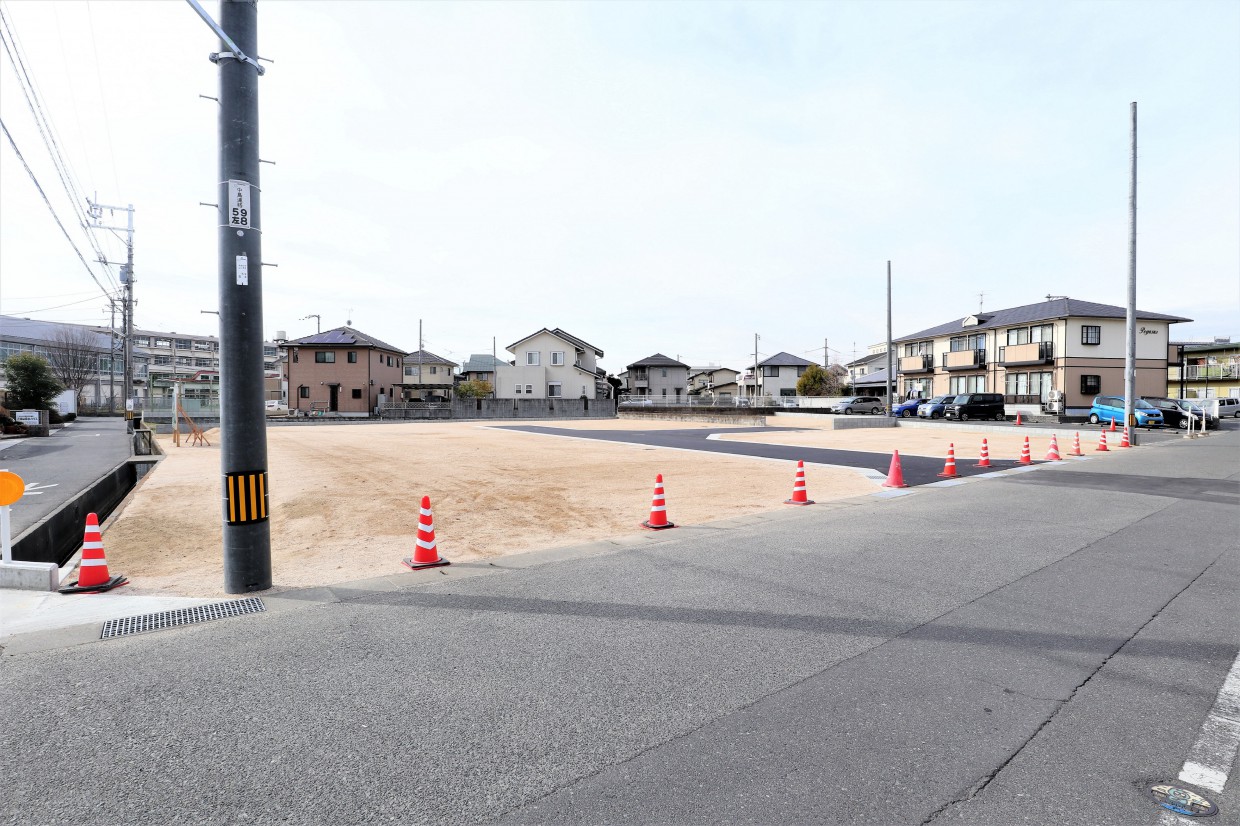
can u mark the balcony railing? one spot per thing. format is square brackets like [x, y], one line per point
[922, 363]
[1204, 372]
[964, 360]
[1035, 352]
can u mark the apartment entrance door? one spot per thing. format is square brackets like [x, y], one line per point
[333, 398]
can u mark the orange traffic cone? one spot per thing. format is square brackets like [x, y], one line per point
[658, 508]
[1102, 442]
[426, 552]
[895, 476]
[1052, 455]
[1124, 441]
[1025, 459]
[93, 570]
[1076, 445]
[949, 467]
[985, 460]
[1112, 424]
[1018, 422]
[799, 496]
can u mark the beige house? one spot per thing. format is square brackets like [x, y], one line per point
[711, 379]
[552, 364]
[1198, 370]
[427, 377]
[341, 372]
[1063, 344]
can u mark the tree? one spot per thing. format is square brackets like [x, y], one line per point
[817, 382]
[616, 384]
[473, 389]
[73, 356]
[31, 384]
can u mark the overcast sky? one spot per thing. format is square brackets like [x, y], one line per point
[651, 177]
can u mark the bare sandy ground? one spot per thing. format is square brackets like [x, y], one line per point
[344, 499]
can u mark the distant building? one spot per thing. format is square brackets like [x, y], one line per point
[779, 376]
[427, 377]
[658, 375]
[552, 364]
[1204, 370]
[341, 372]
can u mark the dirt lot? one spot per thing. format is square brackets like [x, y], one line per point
[344, 498]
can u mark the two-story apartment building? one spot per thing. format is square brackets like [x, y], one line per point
[1065, 344]
[658, 375]
[1204, 370]
[427, 377]
[552, 364]
[341, 372]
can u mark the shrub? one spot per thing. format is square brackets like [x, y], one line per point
[69, 417]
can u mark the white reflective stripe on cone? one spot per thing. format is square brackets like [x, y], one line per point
[87, 563]
[422, 543]
[658, 508]
[424, 511]
[92, 545]
[428, 527]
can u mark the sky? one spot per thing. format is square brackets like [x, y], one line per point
[672, 177]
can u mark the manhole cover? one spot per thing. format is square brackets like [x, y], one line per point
[1182, 801]
[181, 616]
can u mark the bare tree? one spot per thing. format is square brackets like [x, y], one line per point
[73, 354]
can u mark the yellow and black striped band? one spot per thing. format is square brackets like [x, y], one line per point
[245, 497]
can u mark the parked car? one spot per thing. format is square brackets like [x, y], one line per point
[976, 406]
[275, 407]
[1176, 413]
[789, 401]
[907, 409]
[933, 408]
[1229, 407]
[859, 404]
[1106, 409]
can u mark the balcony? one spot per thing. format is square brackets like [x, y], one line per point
[1205, 372]
[923, 363]
[1035, 352]
[964, 360]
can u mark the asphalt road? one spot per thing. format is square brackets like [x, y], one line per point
[1035, 648]
[59, 467]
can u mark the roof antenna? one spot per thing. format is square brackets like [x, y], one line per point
[980, 298]
[348, 322]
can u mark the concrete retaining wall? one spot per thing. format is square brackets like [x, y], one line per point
[533, 408]
[57, 536]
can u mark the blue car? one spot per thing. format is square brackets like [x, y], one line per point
[906, 409]
[933, 408]
[1111, 408]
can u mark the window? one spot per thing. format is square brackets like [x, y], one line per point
[531, 358]
[1091, 334]
[1041, 332]
[800, 372]
[664, 372]
[529, 389]
[141, 341]
[389, 364]
[1020, 335]
[202, 362]
[973, 342]
[434, 370]
[770, 372]
[357, 392]
[352, 357]
[185, 361]
[182, 344]
[665, 391]
[557, 358]
[324, 357]
[270, 352]
[1091, 385]
[296, 358]
[163, 342]
[917, 348]
[206, 345]
[303, 392]
[554, 389]
[967, 384]
[518, 390]
[163, 360]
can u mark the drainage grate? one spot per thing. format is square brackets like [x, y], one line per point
[181, 616]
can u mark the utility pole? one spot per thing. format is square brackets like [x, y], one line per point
[243, 425]
[1130, 351]
[756, 386]
[96, 212]
[826, 355]
[890, 378]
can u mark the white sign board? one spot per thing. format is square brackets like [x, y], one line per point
[243, 271]
[29, 417]
[239, 204]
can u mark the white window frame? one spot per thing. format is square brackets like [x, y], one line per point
[518, 390]
[555, 390]
[532, 358]
[557, 358]
[529, 389]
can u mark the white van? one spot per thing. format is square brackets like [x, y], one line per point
[1227, 407]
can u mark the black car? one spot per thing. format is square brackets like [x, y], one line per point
[1176, 413]
[976, 406]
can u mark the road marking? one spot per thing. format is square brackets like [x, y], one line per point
[1211, 756]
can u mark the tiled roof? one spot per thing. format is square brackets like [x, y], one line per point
[1042, 311]
[784, 360]
[658, 360]
[426, 357]
[482, 363]
[343, 337]
[878, 378]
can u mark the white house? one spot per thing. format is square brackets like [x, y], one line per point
[551, 364]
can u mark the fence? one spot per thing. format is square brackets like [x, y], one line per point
[467, 408]
[630, 402]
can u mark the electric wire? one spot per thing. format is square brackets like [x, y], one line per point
[47, 132]
[52, 209]
[59, 306]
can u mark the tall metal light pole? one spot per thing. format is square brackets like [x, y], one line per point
[1130, 351]
[243, 424]
[889, 399]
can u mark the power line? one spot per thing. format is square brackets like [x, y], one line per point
[51, 209]
[59, 306]
[47, 132]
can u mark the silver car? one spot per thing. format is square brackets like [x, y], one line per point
[859, 404]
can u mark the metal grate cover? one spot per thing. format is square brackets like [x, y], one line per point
[181, 616]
